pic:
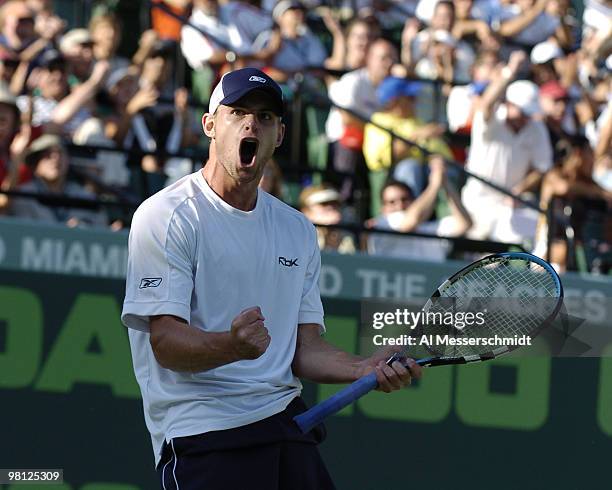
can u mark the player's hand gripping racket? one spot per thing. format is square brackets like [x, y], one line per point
[522, 294]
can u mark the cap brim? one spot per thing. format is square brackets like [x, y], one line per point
[233, 97]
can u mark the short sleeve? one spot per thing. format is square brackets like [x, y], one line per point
[376, 147]
[344, 92]
[160, 268]
[311, 308]
[196, 49]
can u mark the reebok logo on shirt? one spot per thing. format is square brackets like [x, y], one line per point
[288, 262]
[150, 282]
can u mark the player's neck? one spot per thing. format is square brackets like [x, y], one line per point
[241, 196]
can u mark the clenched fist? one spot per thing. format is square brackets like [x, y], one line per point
[249, 335]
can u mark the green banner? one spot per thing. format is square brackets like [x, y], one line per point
[69, 398]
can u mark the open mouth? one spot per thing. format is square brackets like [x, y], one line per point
[248, 151]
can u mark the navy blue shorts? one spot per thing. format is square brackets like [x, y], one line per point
[270, 454]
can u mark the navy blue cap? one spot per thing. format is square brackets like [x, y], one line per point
[392, 87]
[236, 84]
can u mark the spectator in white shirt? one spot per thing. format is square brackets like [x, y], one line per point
[199, 49]
[509, 148]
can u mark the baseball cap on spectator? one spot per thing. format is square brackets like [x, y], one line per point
[319, 194]
[524, 94]
[554, 90]
[393, 87]
[51, 58]
[236, 84]
[444, 37]
[75, 37]
[39, 146]
[545, 52]
[118, 75]
[284, 5]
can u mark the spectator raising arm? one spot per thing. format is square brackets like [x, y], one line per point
[513, 26]
[423, 206]
[81, 95]
[497, 87]
[462, 221]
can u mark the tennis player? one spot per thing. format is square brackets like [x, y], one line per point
[225, 314]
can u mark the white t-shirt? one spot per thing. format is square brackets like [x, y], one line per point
[198, 49]
[417, 248]
[459, 106]
[503, 157]
[194, 256]
[353, 90]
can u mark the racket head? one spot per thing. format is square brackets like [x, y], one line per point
[520, 294]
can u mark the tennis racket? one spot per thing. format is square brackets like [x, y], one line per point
[522, 294]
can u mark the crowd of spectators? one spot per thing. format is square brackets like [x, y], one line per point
[515, 92]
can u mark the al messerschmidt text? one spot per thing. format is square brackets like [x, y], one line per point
[496, 340]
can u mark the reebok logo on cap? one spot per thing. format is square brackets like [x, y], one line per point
[255, 78]
[236, 84]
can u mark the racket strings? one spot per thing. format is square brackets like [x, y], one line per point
[516, 297]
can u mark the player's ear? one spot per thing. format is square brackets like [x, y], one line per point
[280, 134]
[208, 124]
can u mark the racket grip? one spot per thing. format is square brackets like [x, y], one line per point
[335, 403]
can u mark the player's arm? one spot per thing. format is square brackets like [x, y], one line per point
[181, 347]
[319, 361]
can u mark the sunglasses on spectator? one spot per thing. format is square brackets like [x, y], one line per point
[24, 20]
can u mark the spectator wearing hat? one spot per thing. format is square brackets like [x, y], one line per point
[510, 148]
[57, 109]
[322, 205]
[292, 47]
[558, 116]
[356, 91]
[545, 58]
[134, 124]
[402, 211]
[49, 161]
[77, 48]
[396, 97]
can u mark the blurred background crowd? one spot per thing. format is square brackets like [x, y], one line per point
[487, 123]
